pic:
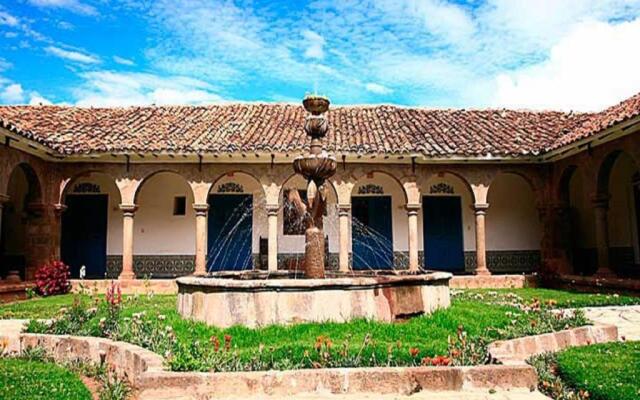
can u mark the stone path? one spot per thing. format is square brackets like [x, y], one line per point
[626, 318]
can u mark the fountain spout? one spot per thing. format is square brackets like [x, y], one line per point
[316, 167]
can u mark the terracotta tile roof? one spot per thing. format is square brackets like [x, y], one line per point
[597, 122]
[257, 127]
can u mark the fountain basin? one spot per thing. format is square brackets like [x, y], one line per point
[253, 299]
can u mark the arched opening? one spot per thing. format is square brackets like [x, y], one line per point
[619, 178]
[379, 223]
[291, 231]
[19, 214]
[237, 224]
[577, 231]
[448, 237]
[513, 227]
[164, 236]
[91, 231]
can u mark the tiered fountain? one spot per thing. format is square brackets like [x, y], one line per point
[255, 298]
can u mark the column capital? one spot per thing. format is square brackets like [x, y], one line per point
[601, 200]
[344, 209]
[201, 209]
[413, 209]
[59, 208]
[272, 209]
[480, 208]
[128, 210]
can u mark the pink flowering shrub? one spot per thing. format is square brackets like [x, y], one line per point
[53, 278]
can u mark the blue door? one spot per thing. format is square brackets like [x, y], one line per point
[372, 234]
[442, 221]
[230, 232]
[84, 234]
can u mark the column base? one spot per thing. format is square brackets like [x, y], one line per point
[605, 272]
[127, 276]
[483, 272]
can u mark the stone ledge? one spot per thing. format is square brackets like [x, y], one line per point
[493, 281]
[145, 372]
[517, 351]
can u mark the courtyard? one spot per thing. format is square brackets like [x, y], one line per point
[458, 336]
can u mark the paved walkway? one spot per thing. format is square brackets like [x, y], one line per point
[626, 318]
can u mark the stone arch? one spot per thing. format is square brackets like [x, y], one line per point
[91, 223]
[34, 193]
[22, 239]
[291, 240]
[513, 228]
[143, 181]
[394, 240]
[237, 182]
[618, 183]
[369, 172]
[165, 225]
[450, 184]
[562, 189]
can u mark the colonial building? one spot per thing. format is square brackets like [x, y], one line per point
[166, 191]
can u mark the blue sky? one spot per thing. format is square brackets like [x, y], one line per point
[540, 54]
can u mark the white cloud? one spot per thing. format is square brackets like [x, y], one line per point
[71, 5]
[314, 44]
[107, 88]
[377, 88]
[8, 19]
[72, 55]
[12, 94]
[123, 61]
[591, 68]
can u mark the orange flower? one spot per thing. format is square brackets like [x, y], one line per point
[414, 351]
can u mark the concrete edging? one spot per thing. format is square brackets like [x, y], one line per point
[517, 351]
[144, 369]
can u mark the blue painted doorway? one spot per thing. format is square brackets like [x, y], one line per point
[372, 234]
[84, 234]
[230, 232]
[443, 242]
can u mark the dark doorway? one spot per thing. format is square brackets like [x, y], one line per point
[372, 232]
[443, 243]
[230, 232]
[84, 234]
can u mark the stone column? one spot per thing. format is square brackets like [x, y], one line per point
[481, 247]
[272, 217]
[412, 212]
[128, 212]
[343, 237]
[601, 208]
[201, 238]
[3, 199]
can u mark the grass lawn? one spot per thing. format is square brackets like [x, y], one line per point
[482, 313]
[608, 371]
[33, 380]
[562, 298]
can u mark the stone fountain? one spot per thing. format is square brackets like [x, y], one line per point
[316, 167]
[258, 298]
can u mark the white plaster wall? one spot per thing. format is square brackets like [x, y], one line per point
[512, 221]
[295, 243]
[114, 215]
[13, 227]
[468, 217]
[250, 186]
[621, 205]
[398, 207]
[156, 230]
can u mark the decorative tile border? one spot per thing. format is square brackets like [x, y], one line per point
[153, 266]
[506, 261]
